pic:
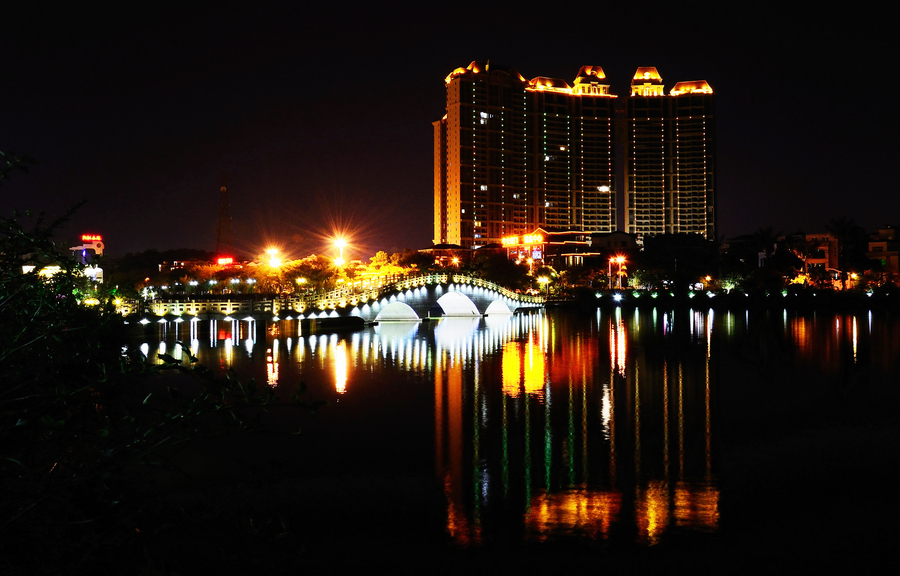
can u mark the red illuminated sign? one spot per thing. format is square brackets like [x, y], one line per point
[527, 240]
[226, 260]
[91, 238]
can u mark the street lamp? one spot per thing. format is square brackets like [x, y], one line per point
[544, 282]
[274, 261]
[619, 260]
[340, 243]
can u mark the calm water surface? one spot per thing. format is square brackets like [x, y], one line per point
[603, 426]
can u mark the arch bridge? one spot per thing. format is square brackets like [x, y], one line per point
[415, 297]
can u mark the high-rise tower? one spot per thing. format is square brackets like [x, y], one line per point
[224, 239]
[670, 158]
[513, 154]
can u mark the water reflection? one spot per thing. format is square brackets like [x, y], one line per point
[555, 443]
[548, 426]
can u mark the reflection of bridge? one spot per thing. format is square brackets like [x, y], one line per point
[415, 297]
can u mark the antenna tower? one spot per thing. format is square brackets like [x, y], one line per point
[224, 239]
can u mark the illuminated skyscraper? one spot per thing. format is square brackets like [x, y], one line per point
[512, 155]
[670, 158]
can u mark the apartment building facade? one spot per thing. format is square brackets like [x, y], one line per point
[512, 155]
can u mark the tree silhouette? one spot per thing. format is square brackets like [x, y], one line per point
[765, 239]
[802, 248]
[851, 241]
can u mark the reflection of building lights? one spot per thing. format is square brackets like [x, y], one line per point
[272, 364]
[652, 511]
[588, 512]
[340, 368]
[523, 365]
[696, 506]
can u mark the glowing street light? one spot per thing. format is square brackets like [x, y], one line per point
[274, 260]
[615, 260]
[544, 282]
[620, 260]
[340, 243]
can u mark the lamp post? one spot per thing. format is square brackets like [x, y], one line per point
[544, 282]
[620, 260]
[274, 261]
[340, 243]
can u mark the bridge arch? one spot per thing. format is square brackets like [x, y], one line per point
[457, 304]
[397, 311]
[472, 297]
[497, 307]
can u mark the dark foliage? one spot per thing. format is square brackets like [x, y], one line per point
[82, 423]
[681, 257]
[497, 268]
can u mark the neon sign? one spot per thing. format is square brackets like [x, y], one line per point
[91, 238]
[226, 260]
[526, 240]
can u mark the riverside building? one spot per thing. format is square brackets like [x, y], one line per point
[512, 155]
[670, 158]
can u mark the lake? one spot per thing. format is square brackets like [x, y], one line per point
[612, 429]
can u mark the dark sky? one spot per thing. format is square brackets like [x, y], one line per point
[322, 116]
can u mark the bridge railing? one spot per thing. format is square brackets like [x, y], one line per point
[369, 291]
[511, 294]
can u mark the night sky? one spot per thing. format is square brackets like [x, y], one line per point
[321, 117]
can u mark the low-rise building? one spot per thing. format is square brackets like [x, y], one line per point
[884, 248]
[563, 248]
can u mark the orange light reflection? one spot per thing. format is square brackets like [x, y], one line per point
[583, 512]
[340, 367]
